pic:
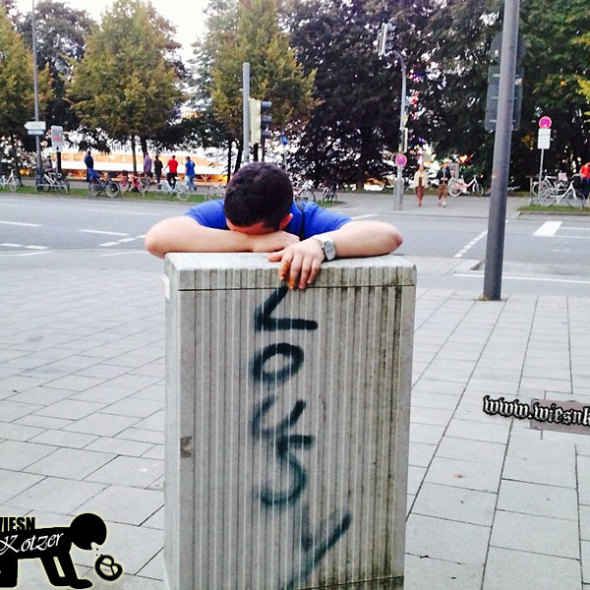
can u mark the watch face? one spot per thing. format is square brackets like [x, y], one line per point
[329, 250]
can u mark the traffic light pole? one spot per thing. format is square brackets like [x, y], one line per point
[492, 286]
[399, 182]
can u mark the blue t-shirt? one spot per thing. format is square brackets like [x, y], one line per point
[189, 168]
[314, 219]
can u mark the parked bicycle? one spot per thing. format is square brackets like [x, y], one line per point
[179, 190]
[329, 193]
[304, 192]
[54, 181]
[568, 192]
[215, 191]
[458, 186]
[13, 181]
[104, 185]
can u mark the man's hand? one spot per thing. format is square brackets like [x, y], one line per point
[278, 240]
[300, 263]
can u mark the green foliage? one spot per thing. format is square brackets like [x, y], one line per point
[358, 93]
[124, 85]
[554, 63]
[16, 82]
[251, 34]
[60, 32]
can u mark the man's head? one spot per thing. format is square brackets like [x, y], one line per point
[259, 194]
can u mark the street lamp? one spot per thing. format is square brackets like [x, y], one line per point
[382, 51]
[36, 95]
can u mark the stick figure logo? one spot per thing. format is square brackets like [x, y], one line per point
[20, 539]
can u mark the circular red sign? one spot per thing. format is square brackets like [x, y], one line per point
[545, 122]
[401, 160]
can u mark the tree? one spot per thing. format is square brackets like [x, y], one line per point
[275, 73]
[554, 63]
[60, 32]
[124, 85]
[16, 87]
[358, 93]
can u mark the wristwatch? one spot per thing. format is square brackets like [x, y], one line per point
[328, 247]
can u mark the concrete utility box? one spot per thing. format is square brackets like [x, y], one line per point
[287, 424]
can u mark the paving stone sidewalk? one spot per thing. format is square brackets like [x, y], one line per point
[493, 504]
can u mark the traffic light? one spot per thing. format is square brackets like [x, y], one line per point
[259, 120]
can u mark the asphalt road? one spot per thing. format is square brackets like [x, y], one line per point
[63, 232]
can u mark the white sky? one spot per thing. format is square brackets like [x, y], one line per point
[186, 15]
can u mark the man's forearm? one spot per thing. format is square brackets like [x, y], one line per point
[365, 238]
[184, 234]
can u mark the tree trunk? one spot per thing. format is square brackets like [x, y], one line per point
[133, 155]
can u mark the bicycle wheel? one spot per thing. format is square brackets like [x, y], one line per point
[63, 185]
[124, 185]
[144, 185]
[182, 191]
[94, 188]
[112, 189]
[454, 188]
[477, 189]
[15, 183]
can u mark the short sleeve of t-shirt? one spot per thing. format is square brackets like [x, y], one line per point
[209, 214]
[314, 219]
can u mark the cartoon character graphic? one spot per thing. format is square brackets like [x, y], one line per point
[52, 545]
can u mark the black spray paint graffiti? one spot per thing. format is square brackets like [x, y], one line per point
[313, 545]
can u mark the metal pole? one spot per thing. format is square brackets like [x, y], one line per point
[501, 164]
[540, 171]
[246, 111]
[399, 182]
[36, 95]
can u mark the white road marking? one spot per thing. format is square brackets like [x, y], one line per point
[104, 233]
[479, 275]
[459, 254]
[125, 240]
[20, 223]
[31, 247]
[107, 244]
[548, 229]
[8, 245]
[35, 253]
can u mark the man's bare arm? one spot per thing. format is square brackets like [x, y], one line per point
[301, 262]
[184, 234]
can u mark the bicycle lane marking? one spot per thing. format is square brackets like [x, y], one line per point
[548, 229]
[470, 245]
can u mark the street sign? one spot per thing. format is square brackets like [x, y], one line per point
[35, 132]
[544, 139]
[545, 122]
[57, 138]
[35, 126]
[401, 160]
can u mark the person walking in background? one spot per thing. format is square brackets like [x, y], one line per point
[172, 167]
[158, 168]
[147, 165]
[420, 183]
[89, 161]
[443, 176]
[585, 174]
[189, 172]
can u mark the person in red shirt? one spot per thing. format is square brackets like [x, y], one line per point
[585, 174]
[172, 166]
